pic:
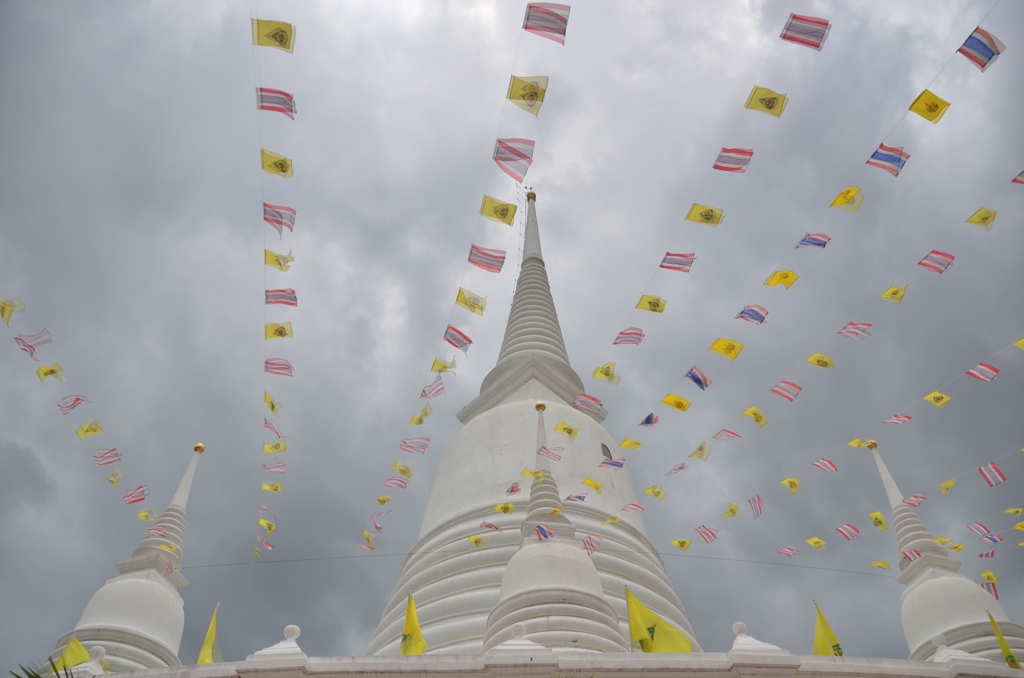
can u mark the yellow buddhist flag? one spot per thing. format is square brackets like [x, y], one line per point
[650, 302]
[209, 653]
[727, 348]
[383, 499]
[941, 541]
[676, 402]
[929, 106]
[369, 538]
[255, 551]
[702, 452]
[6, 310]
[786, 278]
[792, 483]
[115, 477]
[272, 405]
[441, 366]
[1008, 655]
[881, 564]
[732, 511]
[270, 487]
[764, 100]
[656, 491]
[817, 544]
[757, 415]
[278, 331]
[146, 515]
[681, 544]
[705, 214]
[279, 261]
[878, 520]
[168, 547]
[412, 637]
[536, 475]
[894, 294]
[858, 442]
[606, 372]
[850, 198]
[821, 360]
[590, 482]
[268, 526]
[275, 34]
[957, 547]
[274, 448]
[499, 211]
[1014, 511]
[73, 655]
[945, 486]
[984, 218]
[476, 540]
[418, 419]
[652, 632]
[554, 511]
[630, 444]
[989, 577]
[506, 508]
[470, 301]
[1020, 344]
[274, 163]
[53, 370]
[566, 430]
[402, 469]
[527, 92]
[89, 429]
[612, 520]
[937, 399]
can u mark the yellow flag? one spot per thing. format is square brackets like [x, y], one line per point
[274, 163]
[496, 210]
[612, 520]
[477, 541]
[764, 100]
[652, 632]
[1014, 511]
[536, 475]
[681, 544]
[757, 415]
[470, 301]
[255, 551]
[945, 487]
[676, 402]
[369, 538]
[821, 360]
[705, 214]
[146, 515]
[418, 419]
[73, 655]
[792, 483]
[630, 444]
[268, 526]
[656, 492]
[278, 331]
[403, 469]
[566, 430]
[590, 482]
[115, 477]
[937, 399]
[554, 511]
[653, 303]
[881, 564]
[1020, 344]
[506, 508]
[825, 642]
[984, 218]
[441, 366]
[957, 547]
[17, 305]
[209, 653]
[850, 198]
[878, 520]
[274, 448]
[727, 348]
[817, 543]
[786, 278]
[279, 261]
[894, 294]
[1008, 655]
[606, 372]
[702, 452]
[941, 541]
[858, 442]
[412, 636]
[89, 429]
[53, 370]
[272, 405]
[929, 106]
[989, 577]
[382, 499]
[732, 511]
[527, 92]
[6, 310]
[168, 547]
[275, 34]
[270, 487]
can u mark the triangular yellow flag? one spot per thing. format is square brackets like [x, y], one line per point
[476, 540]
[606, 372]
[1011, 660]
[652, 632]
[650, 302]
[764, 100]
[630, 444]
[929, 106]
[146, 515]
[590, 482]
[792, 483]
[274, 163]
[727, 348]
[786, 278]
[732, 511]
[757, 415]
[210, 652]
[383, 499]
[536, 475]
[821, 360]
[984, 218]
[1014, 511]
[496, 210]
[878, 520]
[702, 452]
[825, 642]
[412, 637]
[1020, 344]
[881, 564]
[894, 294]
[277, 34]
[858, 442]
[681, 544]
[945, 487]
[470, 301]
[527, 92]
[73, 655]
[705, 214]
[612, 520]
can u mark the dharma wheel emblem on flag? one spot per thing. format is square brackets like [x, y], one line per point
[821, 363]
[654, 305]
[707, 215]
[501, 211]
[877, 521]
[280, 165]
[757, 416]
[530, 93]
[937, 399]
[280, 332]
[769, 102]
[278, 35]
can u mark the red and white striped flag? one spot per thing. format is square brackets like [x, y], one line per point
[937, 261]
[414, 445]
[458, 339]
[278, 366]
[279, 217]
[30, 342]
[282, 297]
[733, 160]
[978, 528]
[106, 457]
[264, 543]
[587, 403]
[169, 570]
[550, 453]
[825, 465]
[489, 526]
[489, 260]
[400, 483]
[678, 262]
[987, 554]
[911, 554]
[365, 547]
[984, 371]
[135, 496]
[548, 20]
[68, 403]
[992, 475]
[275, 100]
[789, 551]
[632, 507]
[757, 506]
[725, 433]
[787, 390]
[270, 425]
[677, 468]
[276, 467]
[848, 531]
[157, 531]
[514, 157]
[991, 588]
[433, 389]
[992, 538]
[708, 534]
[856, 330]
[897, 419]
[914, 501]
[590, 543]
[631, 336]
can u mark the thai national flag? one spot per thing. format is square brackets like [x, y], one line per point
[890, 158]
[678, 262]
[489, 526]
[612, 463]
[911, 554]
[733, 160]
[982, 48]
[848, 531]
[757, 506]
[649, 420]
[414, 445]
[725, 433]
[631, 336]
[984, 371]
[514, 488]
[458, 339]
[825, 465]
[978, 528]
[696, 376]
[106, 457]
[706, 533]
[587, 403]
[991, 588]
[814, 240]
[276, 100]
[582, 497]
[808, 31]
[279, 217]
[992, 538]
[789, 551]
[937, 261]
[543, 532]
[987, 554]
[753, 314]
[138, 494]
[282, 297]
[914, 501]
[787, 390]
[548, 20]
[632, 507]
[590, 543]
[992, 475]
[545, 451]
[489, 260]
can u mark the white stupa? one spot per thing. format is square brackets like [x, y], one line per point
[138, 616]
[938, 601]
[468, 598]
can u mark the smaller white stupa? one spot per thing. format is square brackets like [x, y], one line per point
[138, 616]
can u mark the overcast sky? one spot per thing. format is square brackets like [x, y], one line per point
[132, 230]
